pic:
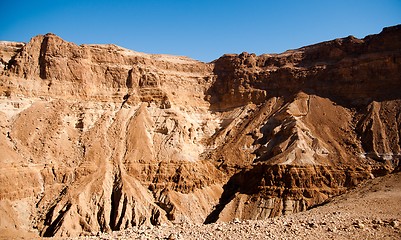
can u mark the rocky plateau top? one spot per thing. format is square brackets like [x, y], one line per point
[101, 140]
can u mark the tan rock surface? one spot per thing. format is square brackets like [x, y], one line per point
[349, 216]
[98, 138]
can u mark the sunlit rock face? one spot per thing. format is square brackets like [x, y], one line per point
[101, 138]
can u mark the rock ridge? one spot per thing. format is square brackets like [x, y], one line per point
[99, 138]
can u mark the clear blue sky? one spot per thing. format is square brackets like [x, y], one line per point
[200, 29]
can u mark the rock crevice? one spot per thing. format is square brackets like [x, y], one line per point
[102, 138]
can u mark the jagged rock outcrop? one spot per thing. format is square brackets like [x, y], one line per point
[100, 138]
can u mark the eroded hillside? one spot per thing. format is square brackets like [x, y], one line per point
[100, 138]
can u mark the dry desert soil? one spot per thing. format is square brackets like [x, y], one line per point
[370, 211]
[102, 142]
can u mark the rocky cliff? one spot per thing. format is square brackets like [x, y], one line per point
[101, 138]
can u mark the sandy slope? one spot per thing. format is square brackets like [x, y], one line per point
[97, 138]
[371, 211]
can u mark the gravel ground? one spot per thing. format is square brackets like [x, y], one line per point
[371, 211]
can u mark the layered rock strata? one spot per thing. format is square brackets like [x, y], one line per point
[101, 138]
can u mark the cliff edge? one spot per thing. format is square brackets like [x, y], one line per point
[98, 138]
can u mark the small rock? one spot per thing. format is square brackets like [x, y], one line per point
[360, 225]
[172, 237]
[377, 221]
[332, 229]
[394, 223]
[311, 225]
[236, 220]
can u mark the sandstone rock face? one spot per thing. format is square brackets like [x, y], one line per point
[101, 138]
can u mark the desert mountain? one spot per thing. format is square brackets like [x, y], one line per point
[102, 138]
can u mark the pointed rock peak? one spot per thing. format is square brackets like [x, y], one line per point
[51, 35]
[48, 37]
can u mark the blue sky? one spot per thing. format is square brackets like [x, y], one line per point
[200, 29]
